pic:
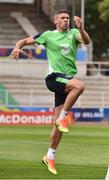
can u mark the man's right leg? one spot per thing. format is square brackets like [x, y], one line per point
[55, 138]
[55, 133]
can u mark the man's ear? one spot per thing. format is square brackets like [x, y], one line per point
[55, 20]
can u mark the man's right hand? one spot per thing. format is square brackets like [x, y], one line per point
[17, 51]
[15, 54]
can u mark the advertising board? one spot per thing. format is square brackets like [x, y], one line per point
[29, 118]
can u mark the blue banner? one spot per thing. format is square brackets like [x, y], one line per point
[89, 114]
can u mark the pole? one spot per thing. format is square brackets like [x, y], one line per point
[73, 11]
[82, 10]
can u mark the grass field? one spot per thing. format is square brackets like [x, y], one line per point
[82, 154]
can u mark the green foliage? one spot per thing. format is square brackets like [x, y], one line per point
[97, 28]
[104, 10]
[5, 94]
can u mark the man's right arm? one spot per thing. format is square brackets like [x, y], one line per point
[19, 45]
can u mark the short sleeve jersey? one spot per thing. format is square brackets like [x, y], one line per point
[61, 50]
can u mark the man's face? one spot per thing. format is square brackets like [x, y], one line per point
[62, 21]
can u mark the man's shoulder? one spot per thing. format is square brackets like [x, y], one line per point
[45, 33]
[48, 33]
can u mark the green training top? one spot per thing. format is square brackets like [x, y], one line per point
[61, 50]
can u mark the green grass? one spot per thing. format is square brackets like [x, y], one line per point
[82, 154]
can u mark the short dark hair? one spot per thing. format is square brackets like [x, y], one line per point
[61, 11]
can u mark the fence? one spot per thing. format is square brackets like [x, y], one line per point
[9, 66]
[24, 81]
[85, 100]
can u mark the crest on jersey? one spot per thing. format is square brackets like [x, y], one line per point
[65, 49]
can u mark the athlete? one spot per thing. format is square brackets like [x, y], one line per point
[61, 45]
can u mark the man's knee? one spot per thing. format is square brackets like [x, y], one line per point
[75, 84]
[81, 87]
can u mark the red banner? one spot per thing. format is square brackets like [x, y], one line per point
[28, 118]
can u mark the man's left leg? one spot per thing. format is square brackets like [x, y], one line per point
[74, 89]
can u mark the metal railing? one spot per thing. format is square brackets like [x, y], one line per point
[19, 69]
[87, 99]
[37, 67]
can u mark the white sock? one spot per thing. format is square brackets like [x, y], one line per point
[107, 175]
[51, 153]
[62, 114]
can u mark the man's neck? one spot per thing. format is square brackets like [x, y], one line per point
[62, 30]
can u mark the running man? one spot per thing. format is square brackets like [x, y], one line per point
[61, 45]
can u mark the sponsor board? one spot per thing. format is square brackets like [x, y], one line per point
[29, 118]
[89, 114]
[78, 114]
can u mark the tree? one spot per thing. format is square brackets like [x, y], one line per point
[97, 28]
[104, 10]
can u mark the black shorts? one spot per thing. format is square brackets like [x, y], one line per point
[56, 83]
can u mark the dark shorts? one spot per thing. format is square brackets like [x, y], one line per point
[56, 83]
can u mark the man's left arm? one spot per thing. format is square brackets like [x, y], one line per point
[82, 36]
